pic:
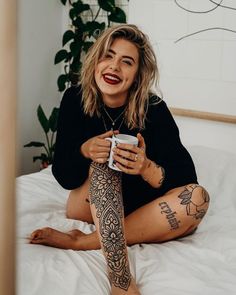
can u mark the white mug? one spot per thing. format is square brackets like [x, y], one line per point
[119, 138]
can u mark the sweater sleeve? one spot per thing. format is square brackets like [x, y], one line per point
[70, 167]
[168, 151]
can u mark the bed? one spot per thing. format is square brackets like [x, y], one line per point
[204, 263]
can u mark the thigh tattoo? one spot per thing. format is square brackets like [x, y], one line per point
[170, 215]
[196, 199]
[106, 194]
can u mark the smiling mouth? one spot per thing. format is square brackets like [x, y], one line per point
[111, 79]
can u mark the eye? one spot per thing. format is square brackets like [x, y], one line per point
[128, 62]
[108, 55]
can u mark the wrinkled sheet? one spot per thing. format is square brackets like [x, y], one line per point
[201, 264]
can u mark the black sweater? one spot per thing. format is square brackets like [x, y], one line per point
[163, 146]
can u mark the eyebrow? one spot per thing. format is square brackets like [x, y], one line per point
[124, 56]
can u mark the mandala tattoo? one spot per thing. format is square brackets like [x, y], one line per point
[196, 199]
[106, 194]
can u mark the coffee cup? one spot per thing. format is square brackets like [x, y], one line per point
[115, 140]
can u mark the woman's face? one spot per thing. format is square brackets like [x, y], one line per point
[116, 72]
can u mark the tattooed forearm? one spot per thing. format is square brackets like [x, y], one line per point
[106, 194]
[162, 175]
[170, 215]
[196, 199]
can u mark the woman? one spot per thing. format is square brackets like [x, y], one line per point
[162, 199]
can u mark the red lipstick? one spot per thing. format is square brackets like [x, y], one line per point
[111, 78]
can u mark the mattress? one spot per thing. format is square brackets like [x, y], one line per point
[200, 264]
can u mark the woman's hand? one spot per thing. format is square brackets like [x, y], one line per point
[98, 148]
[131, 159]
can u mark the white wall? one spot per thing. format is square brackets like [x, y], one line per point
[39, 38]
[198, 73]
[40, 27]
[217, 135]
[41, 24]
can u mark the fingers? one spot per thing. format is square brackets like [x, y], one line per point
[141, 142]
[126, 170]
[123, 161]
[125, 154]
[108, 134]
[101, 157]
[102, 146]
[103, 142]
[129, 158]
[129, 147]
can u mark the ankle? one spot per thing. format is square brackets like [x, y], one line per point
[132, 290]
[88, 242]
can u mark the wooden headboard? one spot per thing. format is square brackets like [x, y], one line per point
[203, 115]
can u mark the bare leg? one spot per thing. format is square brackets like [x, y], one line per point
[175, 214]
[107, 209]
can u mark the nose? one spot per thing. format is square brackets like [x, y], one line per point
[114, 65]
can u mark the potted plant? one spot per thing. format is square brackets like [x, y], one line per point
[49, 126]
[85, 28]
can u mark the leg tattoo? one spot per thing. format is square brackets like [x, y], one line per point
[196, 199]
[170, 215]
[106, 194]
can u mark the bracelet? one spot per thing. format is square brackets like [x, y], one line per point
[149, 165]
[148, 179]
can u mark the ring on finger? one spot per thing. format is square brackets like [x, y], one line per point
[135, 157]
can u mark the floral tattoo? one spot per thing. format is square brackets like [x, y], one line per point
[195, 206]
[106, 194]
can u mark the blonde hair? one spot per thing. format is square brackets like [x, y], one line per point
[146, 76]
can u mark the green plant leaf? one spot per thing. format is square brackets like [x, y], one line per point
[63, 2]
[74, 77]
[98, 32]
[53, 119]
[61, 82]
[34, 144]
[68, 35]
[92, 28]
[107, 5]
[80, 7]
[42, 157]
[78, 22]
[118, 16]
[60, 56]
[87, 45]
[75, 48]
[53, 147]
[43, 119]
[72, 13]
[69, 57]
[76, 66]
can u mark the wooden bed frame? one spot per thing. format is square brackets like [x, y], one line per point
[203, 115]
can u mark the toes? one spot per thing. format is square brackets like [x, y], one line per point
[39, 234]
[36, 234]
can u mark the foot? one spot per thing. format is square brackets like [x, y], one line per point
[54, 238]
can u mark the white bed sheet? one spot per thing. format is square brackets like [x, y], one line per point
[201, 264]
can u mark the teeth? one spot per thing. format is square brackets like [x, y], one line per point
[112, 78]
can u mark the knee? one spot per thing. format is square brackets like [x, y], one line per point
[197, 200]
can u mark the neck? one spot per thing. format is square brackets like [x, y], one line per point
[113, 102]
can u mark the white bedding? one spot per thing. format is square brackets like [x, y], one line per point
[201, 264]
